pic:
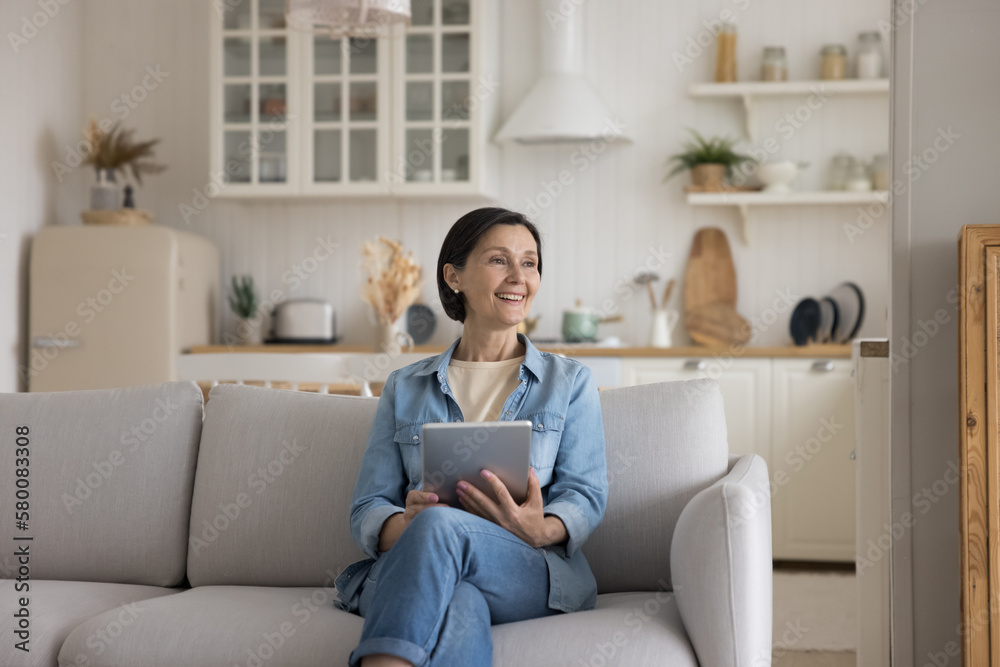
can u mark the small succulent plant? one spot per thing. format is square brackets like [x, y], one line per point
[243, 299]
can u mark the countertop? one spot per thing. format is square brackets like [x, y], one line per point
[825, 351]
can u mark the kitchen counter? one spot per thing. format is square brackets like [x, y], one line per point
[574, 350]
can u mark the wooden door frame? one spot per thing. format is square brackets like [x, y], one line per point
[979, 532]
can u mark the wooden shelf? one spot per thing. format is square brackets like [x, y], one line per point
[748, 90]
[744, 200]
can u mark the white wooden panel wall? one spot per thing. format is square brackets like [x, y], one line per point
[41, 114]
[600, 229]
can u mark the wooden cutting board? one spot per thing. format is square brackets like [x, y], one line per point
[717, 324]
[710, 276]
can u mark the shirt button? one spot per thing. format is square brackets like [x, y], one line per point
[416, 437]
[539, 424]
[508, 412]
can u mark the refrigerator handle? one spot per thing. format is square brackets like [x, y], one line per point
[46, 341]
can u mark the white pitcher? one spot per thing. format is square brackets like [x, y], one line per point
[662, 326]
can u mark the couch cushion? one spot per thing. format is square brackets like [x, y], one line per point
[111, 473]
[222, 626]
[55, 608]
[276, 473]
[664, 442]
[623, 629]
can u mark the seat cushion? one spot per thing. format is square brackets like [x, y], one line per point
[664, 443]
[276, 472]
[222, 626]
[622, 629]
[110, 479]
[55, 608]
[219, 626]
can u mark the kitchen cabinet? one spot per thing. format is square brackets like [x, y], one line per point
[812, 467]
[409, 113]
[798, 415]
[746, 392]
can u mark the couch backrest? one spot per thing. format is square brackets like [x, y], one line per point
[109, 480]
[273, 488]
[665, 442]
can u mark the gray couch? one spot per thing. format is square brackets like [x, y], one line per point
[168, 532]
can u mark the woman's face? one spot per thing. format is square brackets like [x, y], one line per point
[504, 261]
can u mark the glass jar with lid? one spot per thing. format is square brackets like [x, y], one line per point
[774, 66]
[868, 64]
[833, 62]
[725, 54]
[840, 170]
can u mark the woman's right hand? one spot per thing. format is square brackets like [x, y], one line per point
[418, 501]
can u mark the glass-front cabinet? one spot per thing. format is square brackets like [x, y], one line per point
[411, 113]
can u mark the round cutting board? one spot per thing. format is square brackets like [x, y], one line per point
[710, 276]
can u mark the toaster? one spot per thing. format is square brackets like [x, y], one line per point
[303, 321]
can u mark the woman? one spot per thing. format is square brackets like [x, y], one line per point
[438, 576]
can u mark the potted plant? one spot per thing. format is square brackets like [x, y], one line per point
[114, 151]
[243, 300]
[710, 160]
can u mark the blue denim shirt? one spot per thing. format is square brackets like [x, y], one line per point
[557, 394]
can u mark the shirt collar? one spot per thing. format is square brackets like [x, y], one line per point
[532, 360]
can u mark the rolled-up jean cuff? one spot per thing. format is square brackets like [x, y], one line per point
[398, 647]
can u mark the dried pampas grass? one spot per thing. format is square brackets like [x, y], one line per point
[394, 281]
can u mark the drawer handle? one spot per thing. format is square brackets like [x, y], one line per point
[695, 365]
[45, 341]
[822, 366]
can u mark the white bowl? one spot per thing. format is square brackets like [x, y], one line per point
[776, 176]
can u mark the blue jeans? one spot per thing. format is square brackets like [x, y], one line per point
[432, 597]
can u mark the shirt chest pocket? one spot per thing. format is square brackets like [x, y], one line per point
[408, 439]
[546, 434]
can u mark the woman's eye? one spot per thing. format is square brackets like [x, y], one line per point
[498, 259]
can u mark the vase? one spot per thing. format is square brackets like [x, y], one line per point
[662, 326]
[708, 176]
[105, 195]
[249, 332]
[389, 339]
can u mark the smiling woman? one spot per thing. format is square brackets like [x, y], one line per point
[438, 576]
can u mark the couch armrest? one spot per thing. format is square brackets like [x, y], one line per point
[720, 561]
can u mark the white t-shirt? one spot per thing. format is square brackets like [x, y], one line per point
[482, 387]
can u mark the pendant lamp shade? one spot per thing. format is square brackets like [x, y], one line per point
[355, 18]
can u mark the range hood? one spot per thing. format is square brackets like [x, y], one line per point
[563, 105]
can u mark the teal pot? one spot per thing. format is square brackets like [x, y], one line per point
[580, 324]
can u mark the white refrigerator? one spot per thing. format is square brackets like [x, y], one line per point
[114, 306]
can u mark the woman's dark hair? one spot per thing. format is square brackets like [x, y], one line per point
[460, 242]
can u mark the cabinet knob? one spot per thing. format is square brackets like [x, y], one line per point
[45, 341]
[695, 365]
[822, 366]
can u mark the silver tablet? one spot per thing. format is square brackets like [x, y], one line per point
[460, 450]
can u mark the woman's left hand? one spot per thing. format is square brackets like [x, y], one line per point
[526, 520]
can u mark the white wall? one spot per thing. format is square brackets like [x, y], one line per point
[947, 57]
[600, 229]
[42, 76]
